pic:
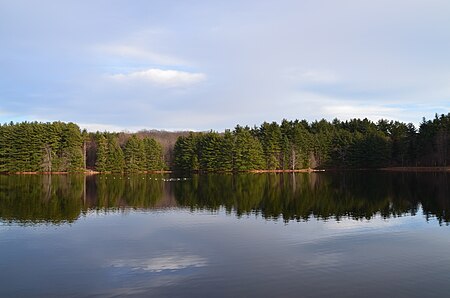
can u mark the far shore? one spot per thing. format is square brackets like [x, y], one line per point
[416, 169]
[88, 172]
[308, 170]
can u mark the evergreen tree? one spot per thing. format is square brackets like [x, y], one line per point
[101, 163]
[248, 152]
[115, 159]
[209, 151]
[71, 151]
[135, 159]
[154, 155]
[186, 153]
[271, 140]
[225, 154]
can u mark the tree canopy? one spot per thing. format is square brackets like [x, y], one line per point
[291, 145]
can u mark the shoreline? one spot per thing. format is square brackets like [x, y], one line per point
[308, 170]
[89, 172]
[415, 169]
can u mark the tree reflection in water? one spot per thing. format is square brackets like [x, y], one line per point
[57, 199]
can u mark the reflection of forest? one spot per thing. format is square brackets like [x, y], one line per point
[356, 195]
[63, 198]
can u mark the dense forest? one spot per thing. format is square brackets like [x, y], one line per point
[297, 144]
[49, 147]
[63, 147]
[291, 145]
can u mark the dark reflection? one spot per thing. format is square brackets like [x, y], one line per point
[64, 198]
[358, 195]
[36, 198]
[119, 192]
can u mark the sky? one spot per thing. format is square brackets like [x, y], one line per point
[200, 65]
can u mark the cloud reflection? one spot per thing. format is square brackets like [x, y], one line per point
[162, 263]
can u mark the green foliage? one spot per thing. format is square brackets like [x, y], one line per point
[271, 140]
[225, 157]
[356, 143]
[297, 145]
[115, 160]
[134, 152]
[41, 147]
[232, 151]
[434, 141]
[101, 163]
[186, 154]
[154, 155]
[136, 155]
[248, 151]
[210, 145]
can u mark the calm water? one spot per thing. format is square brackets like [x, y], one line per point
[270, 235]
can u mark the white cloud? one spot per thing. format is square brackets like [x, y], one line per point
[160, 77]
[390, 63]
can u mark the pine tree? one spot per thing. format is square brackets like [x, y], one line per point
[115, 160]
[154, 155]
[134, 153]
[225, 154]
[186, 153]
[209, 151]
[271, 140]
[72, 148]
[248, 153]
[101, 163]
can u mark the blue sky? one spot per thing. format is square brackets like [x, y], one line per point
[128, 65]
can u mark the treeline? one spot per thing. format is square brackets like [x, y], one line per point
[48, 147]
[136, 155]
[63, 147]
[291, 145]
[294, 145]
[238, 150]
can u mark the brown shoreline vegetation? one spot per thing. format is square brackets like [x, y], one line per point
[87, 172]
[308, 170]
[416, 169]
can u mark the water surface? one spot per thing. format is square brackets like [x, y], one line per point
[294, 235]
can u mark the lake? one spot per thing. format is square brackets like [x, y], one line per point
[340, 234]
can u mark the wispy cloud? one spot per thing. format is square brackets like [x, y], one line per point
[161, 77]
[184, 65]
